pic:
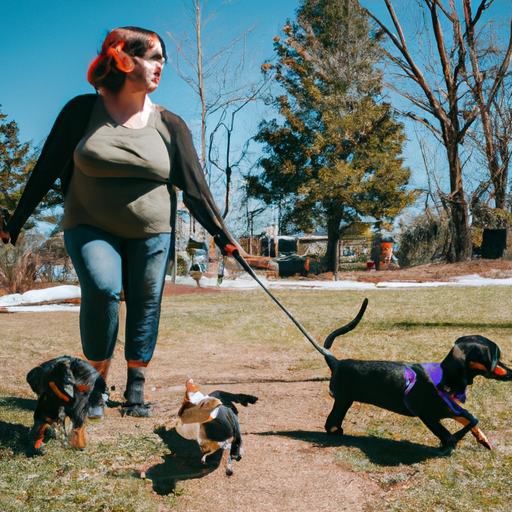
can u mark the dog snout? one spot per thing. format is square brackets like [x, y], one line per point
[502, 372]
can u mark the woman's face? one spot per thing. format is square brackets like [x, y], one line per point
[148, 69]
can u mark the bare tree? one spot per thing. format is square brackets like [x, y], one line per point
[227, 126]
[495, 149]
[447, 77]
[489, 100]
[218, 76]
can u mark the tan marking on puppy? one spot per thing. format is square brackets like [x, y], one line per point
[190, 413]
[480, 437]
[77, 439]
[58, 392]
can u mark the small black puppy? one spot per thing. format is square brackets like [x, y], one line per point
[66, 387]
[429, 391]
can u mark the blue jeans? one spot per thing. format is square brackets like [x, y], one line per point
[105, 264]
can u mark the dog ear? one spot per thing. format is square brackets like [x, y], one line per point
[52, 376]
[494, 356]
[454, 370]
[61, 380]
[481, 353]
[68, 379]
[34, 379]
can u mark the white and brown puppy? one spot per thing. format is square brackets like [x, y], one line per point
[212, 421]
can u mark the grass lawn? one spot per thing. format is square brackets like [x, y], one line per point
[244, 337]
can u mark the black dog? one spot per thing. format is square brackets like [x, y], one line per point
[66, 387]
[428, 391]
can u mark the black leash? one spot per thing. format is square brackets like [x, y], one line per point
[250, 271]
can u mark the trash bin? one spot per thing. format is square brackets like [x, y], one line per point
[494, 243]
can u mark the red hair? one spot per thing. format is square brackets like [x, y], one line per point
[114, 61]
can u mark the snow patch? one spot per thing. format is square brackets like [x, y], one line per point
[26, 301]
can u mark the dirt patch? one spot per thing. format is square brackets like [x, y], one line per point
[493, 269]
[290, 464]
[180, 289]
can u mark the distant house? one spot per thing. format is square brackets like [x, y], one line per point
[354, 248]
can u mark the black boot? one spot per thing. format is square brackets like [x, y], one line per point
[134, 393]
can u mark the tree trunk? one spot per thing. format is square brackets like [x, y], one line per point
[333, 235]
[500, 188]
[200, 83]
[461, 240]
[461, 243]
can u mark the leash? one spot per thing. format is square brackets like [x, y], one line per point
[236, 254]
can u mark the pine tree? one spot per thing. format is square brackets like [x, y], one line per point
[17, 160]
[335, 157]
[15, 164]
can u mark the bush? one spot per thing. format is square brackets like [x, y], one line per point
[34, 258]
[422, 241]
[18, 267]
[183, 264]
[490, 218]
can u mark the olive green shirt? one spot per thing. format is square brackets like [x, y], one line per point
[120, 178]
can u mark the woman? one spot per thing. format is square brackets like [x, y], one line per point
[119, 158]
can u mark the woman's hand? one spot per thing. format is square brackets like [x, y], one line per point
[229, 248]
[4, 235]
[227, 245]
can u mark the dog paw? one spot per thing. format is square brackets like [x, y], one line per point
[32, 451]
[446, 451]
[485, 442]
[481, 438]
[335, 431]
[446, 448]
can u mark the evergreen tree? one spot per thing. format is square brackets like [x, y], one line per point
[16, 163]
[335, 157]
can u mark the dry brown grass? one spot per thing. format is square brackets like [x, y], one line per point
[240, 341]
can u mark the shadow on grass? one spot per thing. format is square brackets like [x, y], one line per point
[15, 437]
[451, 325]
[383, 452]
[27, 404]
[183, 463]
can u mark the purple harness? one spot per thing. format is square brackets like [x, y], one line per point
[435, 373]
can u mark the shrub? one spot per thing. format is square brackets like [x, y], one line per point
[18, 267]
[35, 258]
[422, 241]
[490, 218]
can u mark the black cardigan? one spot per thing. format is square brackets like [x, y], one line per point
[56, 161]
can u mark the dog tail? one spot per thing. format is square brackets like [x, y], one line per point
[346, 328]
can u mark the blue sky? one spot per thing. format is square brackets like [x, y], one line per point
[47, 46]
